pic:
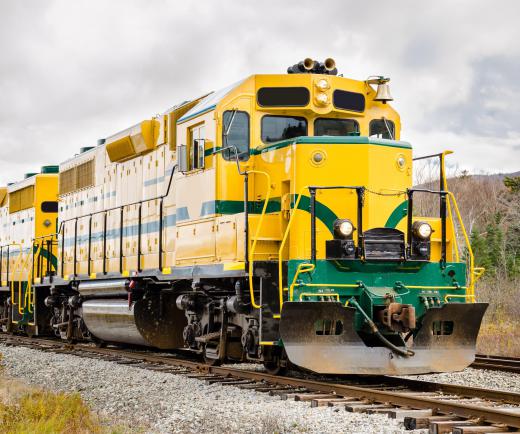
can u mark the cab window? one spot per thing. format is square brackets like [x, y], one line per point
[335, 127]
[276, 128]
[382, 128]
[197, 147]
[236, 125]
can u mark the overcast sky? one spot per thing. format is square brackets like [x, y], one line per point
[75, 71]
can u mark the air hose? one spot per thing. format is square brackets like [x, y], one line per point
[375, 330]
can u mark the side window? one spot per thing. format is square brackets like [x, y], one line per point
[382, 128]
[196, 160]
[236, 125]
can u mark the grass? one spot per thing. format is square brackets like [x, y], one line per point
[500, 332]
[26, 410]
[48, 413]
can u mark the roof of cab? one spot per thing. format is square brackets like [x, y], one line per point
[209, 103]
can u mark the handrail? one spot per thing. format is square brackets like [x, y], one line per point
[471, 277]
[24, 266]
[257, 233]
[302, 268]
[448, 205]
[282, 245]
[16, 263]
[28, 290]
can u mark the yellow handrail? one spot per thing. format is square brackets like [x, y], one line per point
[24, 266]
[282, 245]
[302, 268]
[471, 281]
[470, 296]
[28, 290]
[478, 272]
[448, 206]
[257, 233]
[16, 263]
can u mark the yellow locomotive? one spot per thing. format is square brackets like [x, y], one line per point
[269, 221]
[28, 247]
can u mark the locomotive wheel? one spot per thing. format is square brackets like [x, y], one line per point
[274, 367]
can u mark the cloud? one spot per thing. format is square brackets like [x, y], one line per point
[73, 72]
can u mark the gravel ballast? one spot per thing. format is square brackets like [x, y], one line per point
[165, 403]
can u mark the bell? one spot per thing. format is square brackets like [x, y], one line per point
[383, 93]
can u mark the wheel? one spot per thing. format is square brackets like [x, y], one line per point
[274, 368]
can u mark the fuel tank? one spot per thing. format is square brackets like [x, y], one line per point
[112, 320]
[152, 320]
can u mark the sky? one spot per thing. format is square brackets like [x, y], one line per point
[72, 72]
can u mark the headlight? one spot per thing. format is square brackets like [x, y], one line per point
[322, 84]
[322, 98]
[422, 230]
[343, 228]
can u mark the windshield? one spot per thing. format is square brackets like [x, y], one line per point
[276, 128]
[335, 127]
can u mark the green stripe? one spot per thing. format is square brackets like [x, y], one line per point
[333, 140]
[323, 212]
[397, 215]
[47, 255]
[227, 207]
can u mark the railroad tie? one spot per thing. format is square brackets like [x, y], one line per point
[363, 408]
[478, 429]
[281, 391]
[447, 426]
[311, 396]
[332, 402]
[421, 422]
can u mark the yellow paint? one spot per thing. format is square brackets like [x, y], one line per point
[167, 270]
[231, 266]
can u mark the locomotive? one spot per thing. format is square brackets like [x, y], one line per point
[271, 221]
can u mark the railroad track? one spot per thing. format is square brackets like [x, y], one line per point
[441, 408]
[497, 363]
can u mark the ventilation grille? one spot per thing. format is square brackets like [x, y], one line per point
[77, 178]
[21, 199]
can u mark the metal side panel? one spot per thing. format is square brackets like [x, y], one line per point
[346, 353]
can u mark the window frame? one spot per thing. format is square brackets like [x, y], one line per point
[228, 155]
[356, 123]
[281, 116]
[391, 122]
[193, 152]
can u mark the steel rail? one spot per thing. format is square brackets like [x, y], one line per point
[497, 363]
